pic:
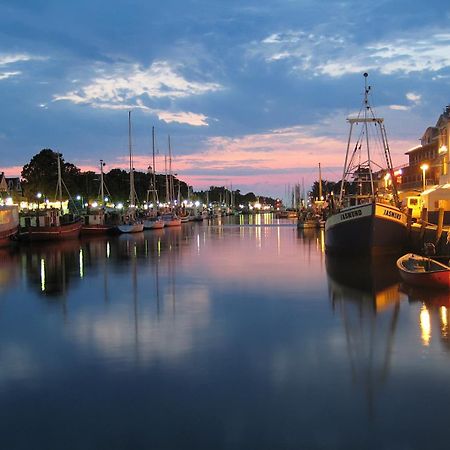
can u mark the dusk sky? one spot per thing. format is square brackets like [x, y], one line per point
[253, 93]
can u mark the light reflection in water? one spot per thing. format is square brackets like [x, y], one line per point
[42, 274]
[81, 263]
[425, 325]
[444, 321]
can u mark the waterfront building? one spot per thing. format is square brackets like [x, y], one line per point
[428, 163]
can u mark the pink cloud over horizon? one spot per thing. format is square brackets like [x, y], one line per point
[264, 163]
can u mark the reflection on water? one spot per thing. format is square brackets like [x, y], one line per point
[365, 293]
[239, 333]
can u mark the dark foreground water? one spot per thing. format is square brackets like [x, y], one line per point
[217, 337]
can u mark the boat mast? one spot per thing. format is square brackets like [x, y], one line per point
[102, 190]
[59, 182]
[132, 191]
[320, 183]
[155, 192]
[366, 110]
[167, 180]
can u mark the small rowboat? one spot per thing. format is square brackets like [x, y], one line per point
[423, 271]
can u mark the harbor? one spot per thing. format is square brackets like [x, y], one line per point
[224, 225]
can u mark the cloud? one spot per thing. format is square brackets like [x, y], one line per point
[189, 118]
[6, 59]
[130, 81]
[125, 87]
[336, 55]
[5, 75]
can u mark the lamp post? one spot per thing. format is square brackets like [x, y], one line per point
[424, 168]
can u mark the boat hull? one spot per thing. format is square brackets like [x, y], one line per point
[9, 223]
[96, 229]
[131, 228]
[153, 224]
[372, 228]
[51, 233]
[436, 277]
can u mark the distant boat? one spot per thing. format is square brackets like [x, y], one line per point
[97, 220]
[368, 221]
[49, 224]
[9, 223]
[423, 271]
[171, 220]
[130, 223]
[153, 223]
[131, 227]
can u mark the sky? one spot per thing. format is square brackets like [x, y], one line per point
[253, 93]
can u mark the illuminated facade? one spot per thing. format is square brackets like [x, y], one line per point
[429, 161]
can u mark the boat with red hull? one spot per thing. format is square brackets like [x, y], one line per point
[48, 225]
[423, 271]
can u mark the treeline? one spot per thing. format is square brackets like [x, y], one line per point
[40, 175]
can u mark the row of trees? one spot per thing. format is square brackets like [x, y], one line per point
[41, 175]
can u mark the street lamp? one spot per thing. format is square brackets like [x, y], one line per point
[424, 168]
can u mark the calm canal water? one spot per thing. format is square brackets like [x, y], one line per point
[217, 337]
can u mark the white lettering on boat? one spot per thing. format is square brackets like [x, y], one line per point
[351, 214]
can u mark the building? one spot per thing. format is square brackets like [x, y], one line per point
[10, 187]
[429, 162]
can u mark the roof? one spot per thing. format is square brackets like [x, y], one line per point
[431, 146]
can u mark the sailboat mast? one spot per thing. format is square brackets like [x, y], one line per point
[171, 180]
[320, 183]
[59, 182]
[167, 180]
[132, 193]
[153, 165]
[102, 190]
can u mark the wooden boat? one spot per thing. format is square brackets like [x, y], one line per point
[423, 271]
[48, 225]
[95, 222]
[9, 223]
[369, 219]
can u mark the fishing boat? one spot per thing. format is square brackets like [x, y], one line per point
[423, 271]
[97, 220]
[367, 218]
[49, 224]
[9, 223]
[130, 223]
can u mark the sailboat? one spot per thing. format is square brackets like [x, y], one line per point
[130, 224]
[50, 224]
[170, 218]
[368, 221]
[153, 221]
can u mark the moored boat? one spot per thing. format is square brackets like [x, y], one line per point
[367, 218]
[48, 225]
[153, 223]
[134, 227]
[423, 271]
[171, 220]
[9, 223]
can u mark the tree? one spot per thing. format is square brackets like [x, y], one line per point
[41, 174]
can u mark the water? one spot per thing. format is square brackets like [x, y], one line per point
[217, 337]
